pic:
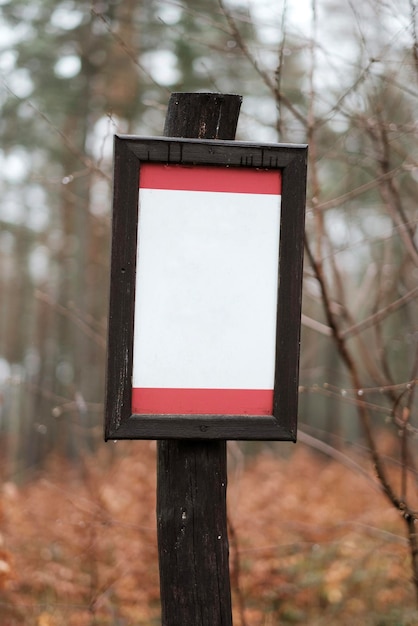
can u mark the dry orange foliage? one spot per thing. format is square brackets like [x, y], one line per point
[311, 542]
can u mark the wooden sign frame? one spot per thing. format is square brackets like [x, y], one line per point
[130, 154]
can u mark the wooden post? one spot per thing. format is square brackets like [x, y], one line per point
[192, 475]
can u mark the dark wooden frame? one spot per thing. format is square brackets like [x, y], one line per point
[129, 153]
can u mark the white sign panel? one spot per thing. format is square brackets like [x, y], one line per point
[206, 290]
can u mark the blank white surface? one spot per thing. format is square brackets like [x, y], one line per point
[206, 290]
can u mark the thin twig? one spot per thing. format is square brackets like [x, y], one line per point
[351, 367]
[278, 95]
[87, 162]
[335, 454]
[72, 315]
[379, 315]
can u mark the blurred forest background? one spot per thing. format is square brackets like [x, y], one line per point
[337, 74]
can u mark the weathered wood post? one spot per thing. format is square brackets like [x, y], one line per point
[192, 475]
[166, 296]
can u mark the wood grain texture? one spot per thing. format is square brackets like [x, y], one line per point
[192, 152]
[243, 427]
[202, 115]
[122, 280]
[192, 475]
[192, 533]
[285, 404]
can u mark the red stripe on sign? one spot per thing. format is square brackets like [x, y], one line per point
[210, 178]
[147, 401]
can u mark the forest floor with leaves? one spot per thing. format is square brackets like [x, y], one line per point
[312, 542]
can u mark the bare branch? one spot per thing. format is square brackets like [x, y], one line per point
[335, 454]
[315, 325]
[377, 317]
[72, 315]
[87, 162]
[264, 75]
[352, 369]
[126, 49]
[358, 191]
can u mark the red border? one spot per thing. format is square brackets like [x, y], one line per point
[210, 178]
[153, 401]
